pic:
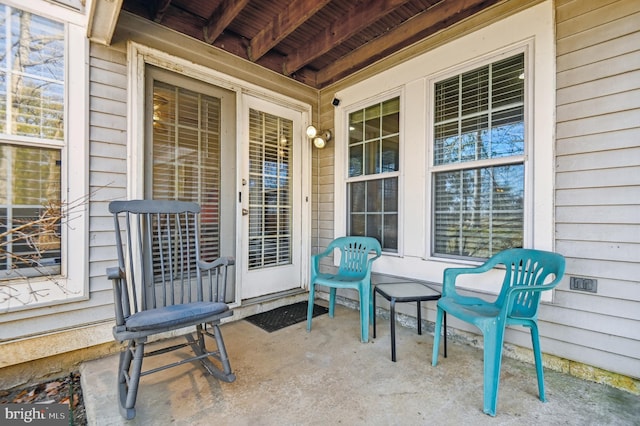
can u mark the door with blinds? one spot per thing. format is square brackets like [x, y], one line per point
[271, 199]
[190, 155]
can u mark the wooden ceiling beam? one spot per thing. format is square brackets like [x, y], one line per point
[237, 46]
[358, 17]
[286, 22]
[221, 17]
[420, 26]
[158, 9]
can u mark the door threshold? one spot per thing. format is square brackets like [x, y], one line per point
[259, 304]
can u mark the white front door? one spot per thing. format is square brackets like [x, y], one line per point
[271, 198]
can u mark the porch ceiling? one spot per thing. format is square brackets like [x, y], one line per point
[316, 42]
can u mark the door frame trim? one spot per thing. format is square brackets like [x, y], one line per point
[139, 56]
[302, 198]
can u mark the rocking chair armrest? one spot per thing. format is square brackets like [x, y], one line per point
[221, 261]
[115, 273]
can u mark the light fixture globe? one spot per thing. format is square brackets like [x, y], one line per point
[319, 142]
[318, 137]
[311, 132]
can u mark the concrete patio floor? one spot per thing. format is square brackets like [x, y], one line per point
[291, 377]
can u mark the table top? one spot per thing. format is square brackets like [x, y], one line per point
[407, 290]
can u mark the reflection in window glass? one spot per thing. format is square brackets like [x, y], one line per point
[479, 116]
[32, 96]
[32, 76]
[30, 210]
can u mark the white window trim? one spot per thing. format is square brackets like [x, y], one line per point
[48, 9]
[534, 26]
[72, 284]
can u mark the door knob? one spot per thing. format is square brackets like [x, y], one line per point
[245, 212]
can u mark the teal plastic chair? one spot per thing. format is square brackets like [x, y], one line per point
[526, 272]
[354, 272]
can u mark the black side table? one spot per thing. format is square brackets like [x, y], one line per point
[405, 292]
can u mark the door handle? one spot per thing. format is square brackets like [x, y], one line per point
[245, 212]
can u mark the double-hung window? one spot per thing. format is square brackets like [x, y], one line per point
[373, 172]
[41, 202]
[478, 169]
[32, 69]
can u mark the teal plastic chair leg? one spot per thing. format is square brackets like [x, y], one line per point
[332, 301]
[493, 339]
[371, 310]
[365, 312]
[537, 354]
[436, 337]
[312, 295]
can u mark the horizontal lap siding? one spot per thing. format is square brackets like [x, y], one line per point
[323, 189]
[108, 162]
[598, 184]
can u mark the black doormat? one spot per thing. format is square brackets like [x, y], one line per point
[284, 316]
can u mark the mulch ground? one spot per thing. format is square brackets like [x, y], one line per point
[64, 390]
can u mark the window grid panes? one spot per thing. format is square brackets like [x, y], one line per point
[372, 187]
[479, 117]
[32, 87]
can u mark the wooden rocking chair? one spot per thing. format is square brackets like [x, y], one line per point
[161, 284]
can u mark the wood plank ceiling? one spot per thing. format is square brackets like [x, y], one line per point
[316, 42]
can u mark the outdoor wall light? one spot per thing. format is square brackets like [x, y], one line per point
[319, 138]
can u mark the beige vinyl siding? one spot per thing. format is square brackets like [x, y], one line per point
[598, 184]
[108, 166]
[323, 166]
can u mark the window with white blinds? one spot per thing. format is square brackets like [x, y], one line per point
[374, 169]
[478, 161]
[186, 156]
[270, 186]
